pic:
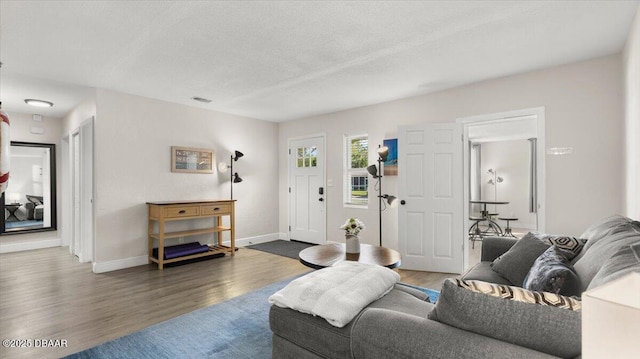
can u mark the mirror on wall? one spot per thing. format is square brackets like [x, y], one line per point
[29, 202]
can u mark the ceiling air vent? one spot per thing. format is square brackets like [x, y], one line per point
[201, 99]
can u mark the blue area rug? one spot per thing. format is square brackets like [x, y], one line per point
[237, 328]
[433, 294]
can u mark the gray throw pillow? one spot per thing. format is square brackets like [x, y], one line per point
[551, 272]
[546, 322]
[514, 265]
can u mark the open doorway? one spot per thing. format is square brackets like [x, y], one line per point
[500, 172]
[504, 163]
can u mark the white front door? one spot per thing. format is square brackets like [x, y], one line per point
[307, 190]
[431, 223]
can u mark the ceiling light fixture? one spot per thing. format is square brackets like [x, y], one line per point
[38, 103]
[201, 99]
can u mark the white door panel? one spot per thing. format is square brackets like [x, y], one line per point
[81, 170]
[306, 177]
[430, 182]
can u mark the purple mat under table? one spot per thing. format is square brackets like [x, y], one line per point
[186, 251]
[181, 250]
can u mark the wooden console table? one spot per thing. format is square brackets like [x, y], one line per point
[162, 212]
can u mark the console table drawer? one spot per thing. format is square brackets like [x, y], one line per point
[214, 209]
[186, 211]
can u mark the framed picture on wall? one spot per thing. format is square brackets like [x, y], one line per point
[391, 164]
[191, 160]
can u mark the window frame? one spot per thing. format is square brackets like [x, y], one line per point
[349, 173]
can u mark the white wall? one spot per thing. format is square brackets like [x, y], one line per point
[583, 103]
[21, 131]
[133, 136]
[80, 113]
[632, 119]
[22, 177]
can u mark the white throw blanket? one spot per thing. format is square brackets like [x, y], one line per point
[337, 293]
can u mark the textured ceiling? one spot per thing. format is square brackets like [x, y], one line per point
[282, 60]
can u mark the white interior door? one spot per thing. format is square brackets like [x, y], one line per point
[82, 227]
[86, 190]
[431, 223]
[307, 216]
[76, 243]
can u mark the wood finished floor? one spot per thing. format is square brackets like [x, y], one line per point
[47, 294]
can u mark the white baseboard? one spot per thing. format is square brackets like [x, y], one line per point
[29, 245]
[243, 242]
[102, 267]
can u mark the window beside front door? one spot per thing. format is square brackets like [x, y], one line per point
[356, 181]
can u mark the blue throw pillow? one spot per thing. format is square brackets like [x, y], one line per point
[551, 272]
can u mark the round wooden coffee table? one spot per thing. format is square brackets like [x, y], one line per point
[326, 255]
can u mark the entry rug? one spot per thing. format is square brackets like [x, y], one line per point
[236, 328]
[282, 248]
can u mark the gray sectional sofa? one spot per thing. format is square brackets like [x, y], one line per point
[466, 324]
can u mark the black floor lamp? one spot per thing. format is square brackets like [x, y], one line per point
[235, 178]
[376, 172]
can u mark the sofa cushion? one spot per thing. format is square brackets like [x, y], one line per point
[625, 260]
[546, 322]
[515, 264]
[483, 272]
[596, 254]
[386, 334]
[337, 293]
[552, 273]
[318, 336]
[599, 230]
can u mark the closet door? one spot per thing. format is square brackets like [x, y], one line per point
[431, 223]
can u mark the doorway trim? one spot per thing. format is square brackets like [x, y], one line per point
[507, 117]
